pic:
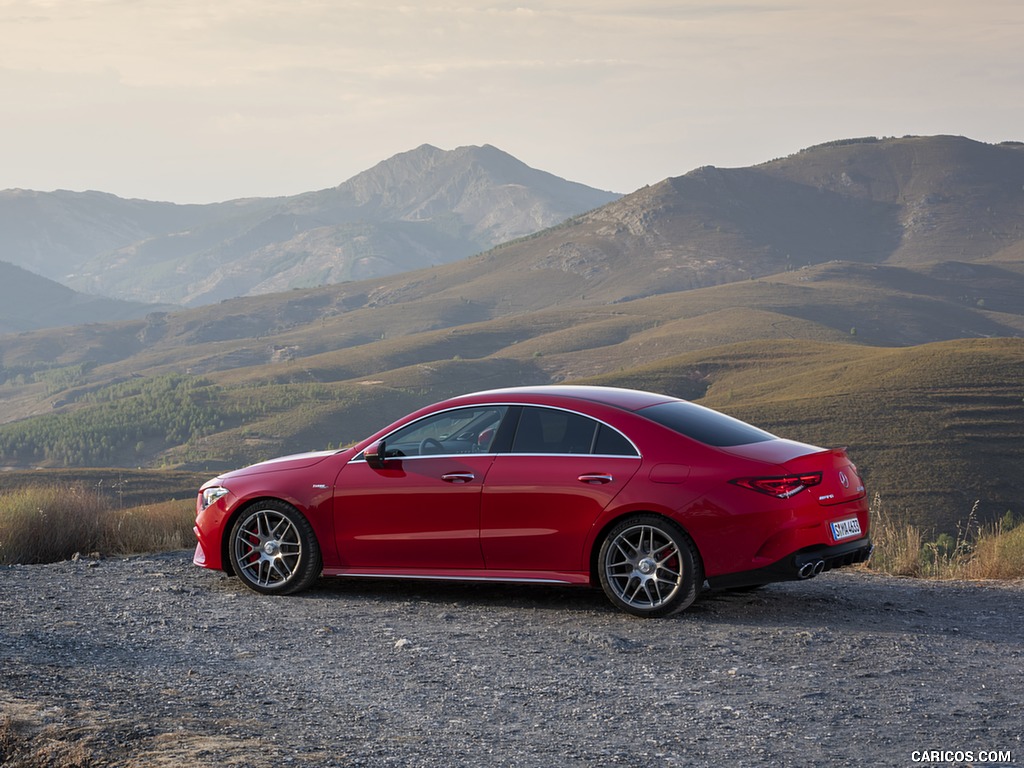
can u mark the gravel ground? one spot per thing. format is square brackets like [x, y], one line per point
[149, 661]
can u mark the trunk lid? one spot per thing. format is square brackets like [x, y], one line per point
[840, 480]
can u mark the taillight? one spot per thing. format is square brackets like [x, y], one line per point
[779, 487]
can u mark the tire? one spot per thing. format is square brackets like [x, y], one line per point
[649, 567]
[273, 549]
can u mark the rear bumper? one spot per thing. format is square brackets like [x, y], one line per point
[802, 564]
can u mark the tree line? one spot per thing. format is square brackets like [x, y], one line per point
[111, 423]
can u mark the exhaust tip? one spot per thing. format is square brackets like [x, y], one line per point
[810, 570]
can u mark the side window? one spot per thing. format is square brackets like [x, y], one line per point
[612, 443]
[464, 430]
[547, 430]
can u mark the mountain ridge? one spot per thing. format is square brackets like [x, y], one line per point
[422, 207]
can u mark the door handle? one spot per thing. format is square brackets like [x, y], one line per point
[595, 479]
[458, 477]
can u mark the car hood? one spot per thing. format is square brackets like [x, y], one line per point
[282, 463]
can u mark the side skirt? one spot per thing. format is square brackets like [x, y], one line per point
[430, 574]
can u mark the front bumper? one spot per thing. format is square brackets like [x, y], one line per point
[199, 556]
[208, 529]
[802, 564]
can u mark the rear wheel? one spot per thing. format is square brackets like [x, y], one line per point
[649, 567]
[273, 549]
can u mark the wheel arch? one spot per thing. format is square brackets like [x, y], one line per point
[241, 509]
[605, 529]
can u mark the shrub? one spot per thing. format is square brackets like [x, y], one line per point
[998, 554]
[994, 551]
[897, 544]
[49, 523]
[152, 528]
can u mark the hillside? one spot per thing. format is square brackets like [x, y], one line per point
[953, 199]
[933, 423]
[29, 302]
[829, 331]
[418, 208]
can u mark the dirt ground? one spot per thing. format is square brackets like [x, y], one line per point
[149, 661]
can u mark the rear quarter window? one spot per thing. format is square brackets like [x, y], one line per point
[611, 443]
[704, 425]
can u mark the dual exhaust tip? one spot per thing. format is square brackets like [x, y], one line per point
[810, 570]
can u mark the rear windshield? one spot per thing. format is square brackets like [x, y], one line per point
[704, 425]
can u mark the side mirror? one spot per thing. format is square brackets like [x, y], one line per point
[375, 455]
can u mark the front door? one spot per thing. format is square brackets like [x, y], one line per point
[421, 509]
[414, 513]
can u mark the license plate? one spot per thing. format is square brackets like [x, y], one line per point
[844, 529]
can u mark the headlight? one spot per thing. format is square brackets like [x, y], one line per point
[210, 495]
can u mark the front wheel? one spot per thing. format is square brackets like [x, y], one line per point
[273, 549]
[649, 567]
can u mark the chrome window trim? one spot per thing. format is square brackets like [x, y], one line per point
[518, 455]
[574, 455]
[359, 460]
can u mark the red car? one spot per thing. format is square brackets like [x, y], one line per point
[647, 495]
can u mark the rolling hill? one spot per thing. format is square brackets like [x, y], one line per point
[783, 294]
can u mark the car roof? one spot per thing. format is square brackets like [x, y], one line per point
[627, 399]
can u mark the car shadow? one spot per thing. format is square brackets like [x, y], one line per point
[781, 603]
[505, 595]
[839, 601]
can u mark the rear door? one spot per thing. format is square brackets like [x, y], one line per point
[541, 499]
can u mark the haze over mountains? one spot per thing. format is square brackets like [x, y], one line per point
[413, 210]
[865, 292]
[28, 301]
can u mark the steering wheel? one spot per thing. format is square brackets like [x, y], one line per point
[430, 445]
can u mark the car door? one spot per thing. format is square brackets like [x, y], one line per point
[542, 498]
[421, 509]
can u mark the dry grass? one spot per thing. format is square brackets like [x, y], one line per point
[897, 543]
[990, 551]
[24, 744]
[49, 523]
[998, 554]
[152, 528]
[54, 522]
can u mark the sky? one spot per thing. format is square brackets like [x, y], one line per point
[196, 101]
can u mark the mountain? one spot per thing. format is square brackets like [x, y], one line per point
[419, 208]
[28, 302]
[53, 233]
[808, 294]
